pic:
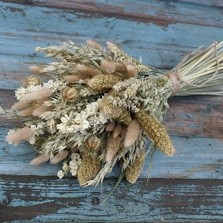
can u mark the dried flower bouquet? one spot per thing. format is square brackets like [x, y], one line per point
[98, 106]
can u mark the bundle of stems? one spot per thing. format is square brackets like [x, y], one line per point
[200, 72]
[99, 107]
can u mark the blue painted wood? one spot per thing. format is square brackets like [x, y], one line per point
[159, 44]
[162, 32]
[45, 199]
[195, 158]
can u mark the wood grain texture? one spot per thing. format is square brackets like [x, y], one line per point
[46, 199]
[195, 124]
[184, 188]
[162, 45]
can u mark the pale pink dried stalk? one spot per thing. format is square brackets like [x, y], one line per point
[108, 67]
[20, 134]
[21, 105]
[112, 147]
[132, 133]
[26, 112]
[72, 78]
[111, 46]
[131, 70]
[39, 159]
[117, 131]
[120, 67]
[94, 44]
[87, 71]
[110, 127]
[59, 157]
[35, 69]
[42, 93]
[41, 109]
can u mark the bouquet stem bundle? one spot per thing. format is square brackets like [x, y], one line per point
[100, 106]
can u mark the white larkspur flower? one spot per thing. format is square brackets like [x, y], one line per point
[32, 140]
[55, 85]
[74, 163]
[65, 167]
[38, 129]
[65, 119]
[60, 174]
[85, 124]
[62, 128]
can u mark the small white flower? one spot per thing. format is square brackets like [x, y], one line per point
[65, 167]
[65, 119]
[60, 174]
[32, 140]
[55, 85]
[73, 172]
[85, 124]
[73, 164]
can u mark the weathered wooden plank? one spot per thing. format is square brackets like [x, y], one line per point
[195, 124]
[159, 45]
[195, 158]
[157, 12]
[46, 199]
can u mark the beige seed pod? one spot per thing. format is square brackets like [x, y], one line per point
[39, 159]
[70, 94]
[103, 82]
[93, 143]
[132, 172]
[156, 132]
[132, 133]
[90, 166]
[31, 80]
[59, 157]
[112, 147]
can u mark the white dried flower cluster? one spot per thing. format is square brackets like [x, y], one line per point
[11, 131]
[87, 118]
[74, 163]
[70, 166]
[37, 130]
[23, 90]
[54, 85]
[60, 174]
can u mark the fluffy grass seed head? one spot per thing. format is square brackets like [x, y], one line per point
[156, 132]
[90, 166]
[132, 172]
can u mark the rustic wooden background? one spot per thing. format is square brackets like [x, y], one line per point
[185, 188]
